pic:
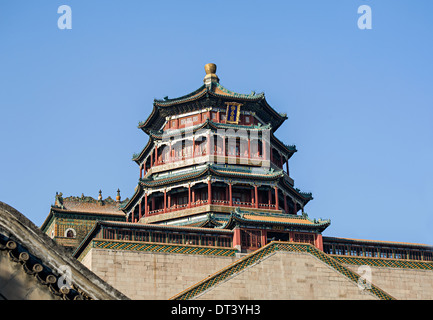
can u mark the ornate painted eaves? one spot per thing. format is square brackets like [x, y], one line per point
[241, 217]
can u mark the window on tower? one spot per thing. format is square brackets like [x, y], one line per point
[70, 233]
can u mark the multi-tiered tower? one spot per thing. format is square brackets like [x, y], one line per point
[214, 184]
[212, 160]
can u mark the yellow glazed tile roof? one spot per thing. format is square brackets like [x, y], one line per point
[277, 219]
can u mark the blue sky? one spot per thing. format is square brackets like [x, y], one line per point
[359, 102]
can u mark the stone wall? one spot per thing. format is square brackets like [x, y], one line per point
[401, 283]
[287, 275]
[152, 275]
[279, 275]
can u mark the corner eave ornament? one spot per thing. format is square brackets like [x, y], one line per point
[233, 112]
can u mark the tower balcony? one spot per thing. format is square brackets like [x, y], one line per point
[201, 207]
[201, 158]
[207, 196]
[200, 203]
[173, 154]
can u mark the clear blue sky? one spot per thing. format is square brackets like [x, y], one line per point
[359, 102]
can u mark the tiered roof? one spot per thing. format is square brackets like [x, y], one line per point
[209, 169]
[207, 96]
[208, 124]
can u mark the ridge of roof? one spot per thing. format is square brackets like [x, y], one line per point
[275, 218]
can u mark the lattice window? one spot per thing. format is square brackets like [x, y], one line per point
[208, 241]
[225, 242]
[141, 236]
[174, 238]
[304, 238]
[415, 255]
[158, 237]
[251, 239]
[428, 256]
[191, 239]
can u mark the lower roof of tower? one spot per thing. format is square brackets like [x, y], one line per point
[242, 217]
[239, 217]
[223, 173]
[211, 169]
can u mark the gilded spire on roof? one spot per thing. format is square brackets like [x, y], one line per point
[210, 76]
[118, 195]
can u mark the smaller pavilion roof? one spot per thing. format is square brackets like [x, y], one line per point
[86, 205]
[246, 217]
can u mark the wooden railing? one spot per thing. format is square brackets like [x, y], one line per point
[199, 203]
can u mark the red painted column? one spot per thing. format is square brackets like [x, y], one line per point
[269, 198]
[139, 210]
[285, 204]
[237, 238]
[230, 195]
[319, 241]
[146, 207]
[141, 172]
[276, 199]
[189, 196]
[209, 192]
[156, 155]
[263, 238]
[295, 209]
[165, 201]
[169, 201]
[287, 167]
[256, 196]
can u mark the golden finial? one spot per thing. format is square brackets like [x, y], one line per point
[210, 69]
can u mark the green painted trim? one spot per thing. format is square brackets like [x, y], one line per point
[385, 263]
[168, 102]
[162, 247]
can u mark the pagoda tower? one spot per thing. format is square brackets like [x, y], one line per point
[213, 161]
